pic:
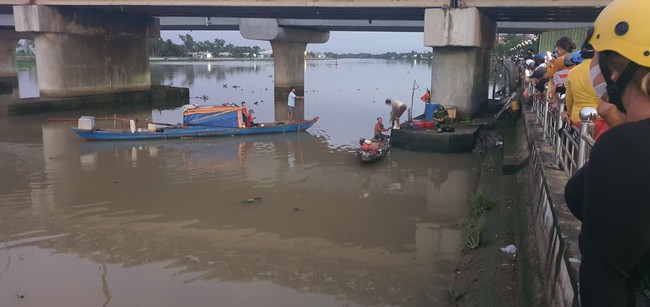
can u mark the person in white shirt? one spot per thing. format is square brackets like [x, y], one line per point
[397, 108]
[291, 103]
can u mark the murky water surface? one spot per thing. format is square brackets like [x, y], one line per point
[163, 223]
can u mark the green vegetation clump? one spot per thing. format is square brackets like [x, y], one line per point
[471, 229]
[454, 296]
[465, 120]
[481, 203]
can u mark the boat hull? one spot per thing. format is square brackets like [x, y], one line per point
[371, 155]
[192, 132]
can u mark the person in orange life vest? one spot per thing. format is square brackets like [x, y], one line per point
[379, 128]
[563, 46]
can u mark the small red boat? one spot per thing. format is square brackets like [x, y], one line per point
[373, 149]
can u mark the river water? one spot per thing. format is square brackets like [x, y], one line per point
[163, 223]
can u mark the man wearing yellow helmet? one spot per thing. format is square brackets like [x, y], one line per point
[611, 193]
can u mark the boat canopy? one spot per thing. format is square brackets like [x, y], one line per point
[216, 116]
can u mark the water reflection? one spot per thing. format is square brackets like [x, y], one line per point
[9, 88]
[163, 222]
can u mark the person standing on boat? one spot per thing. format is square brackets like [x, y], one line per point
[379, 128]
[246, 114]
[291, 103]
[397, 108]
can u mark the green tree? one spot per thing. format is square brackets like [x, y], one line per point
[188, 42]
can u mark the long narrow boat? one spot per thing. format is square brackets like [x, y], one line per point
[190, 131]
[197, 122]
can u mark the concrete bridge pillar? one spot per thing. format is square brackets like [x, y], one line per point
[7, 54]
[462, 40]
[289, 47]
[8, 72]
[82, 52]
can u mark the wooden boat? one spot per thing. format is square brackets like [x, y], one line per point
[373, 149]
[197, 122]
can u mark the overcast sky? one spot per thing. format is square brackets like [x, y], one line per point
[339, 42]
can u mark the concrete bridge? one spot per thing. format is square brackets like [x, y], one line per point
[100, 46]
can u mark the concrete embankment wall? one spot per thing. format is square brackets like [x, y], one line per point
[551, 224]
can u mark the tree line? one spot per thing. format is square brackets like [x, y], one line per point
[167, 49]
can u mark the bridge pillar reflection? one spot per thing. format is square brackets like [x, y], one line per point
[8, 71]
[289, 47]
[462, 40]
[82, 52]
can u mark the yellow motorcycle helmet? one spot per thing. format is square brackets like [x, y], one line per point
[622, 27]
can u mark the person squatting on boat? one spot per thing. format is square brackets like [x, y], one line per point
[611, 193]
[379, 128]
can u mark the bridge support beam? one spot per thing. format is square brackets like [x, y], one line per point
[462, 40]
[82, 53]
[289, 47]
[8, 44]
[8, 72]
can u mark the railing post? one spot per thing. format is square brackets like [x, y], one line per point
[537, 104]
[545, 119]
[587, 114]
[582, 144]
[558, 138]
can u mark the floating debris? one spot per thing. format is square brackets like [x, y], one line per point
[510, 249]
[251, 200]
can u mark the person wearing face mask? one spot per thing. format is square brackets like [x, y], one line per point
[580, 92]
[611, 193]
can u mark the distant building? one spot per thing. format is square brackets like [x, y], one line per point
[224, 54]
[318, 55]
[266, 54]
[201, 55]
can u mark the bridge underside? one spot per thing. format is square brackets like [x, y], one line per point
[518, 13]
[504, 10]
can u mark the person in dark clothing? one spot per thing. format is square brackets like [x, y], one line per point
[611, 193]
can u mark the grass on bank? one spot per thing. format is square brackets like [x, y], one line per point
[472, 228]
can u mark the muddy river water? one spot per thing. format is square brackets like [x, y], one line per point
[165, 223]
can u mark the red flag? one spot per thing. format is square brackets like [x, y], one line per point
[426, 98]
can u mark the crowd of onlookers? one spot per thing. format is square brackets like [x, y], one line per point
[565, 71]
[610, 194]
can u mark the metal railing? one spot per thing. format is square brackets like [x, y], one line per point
[572, 145]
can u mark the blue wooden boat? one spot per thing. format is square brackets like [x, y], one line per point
[197, 122]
